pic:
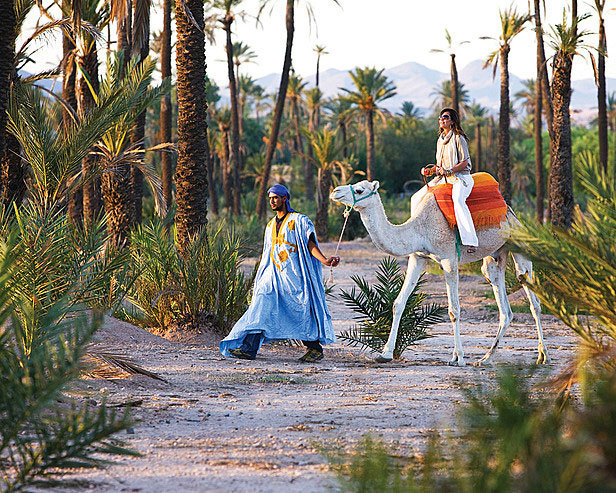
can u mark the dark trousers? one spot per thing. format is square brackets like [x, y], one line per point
[251, 344]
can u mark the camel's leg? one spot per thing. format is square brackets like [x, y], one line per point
[450, 269]
[414, 270]
[494, 271]
[524, 269]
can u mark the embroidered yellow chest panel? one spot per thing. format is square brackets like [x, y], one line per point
[279, 253]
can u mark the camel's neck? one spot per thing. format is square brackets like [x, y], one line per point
[394, 239]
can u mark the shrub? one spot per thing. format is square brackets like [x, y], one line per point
[375, 307]
[204, 285]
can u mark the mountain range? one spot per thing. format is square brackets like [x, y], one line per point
[417, 83]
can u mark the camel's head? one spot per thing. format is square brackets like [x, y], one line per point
[358, 196]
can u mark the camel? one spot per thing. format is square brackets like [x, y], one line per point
[426, 235]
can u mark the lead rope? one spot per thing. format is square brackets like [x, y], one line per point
[346, 214]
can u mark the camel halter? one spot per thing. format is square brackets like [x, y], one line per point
[346, 214]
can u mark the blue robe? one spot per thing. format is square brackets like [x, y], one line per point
[288, 300]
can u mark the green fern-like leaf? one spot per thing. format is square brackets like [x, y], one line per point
[374, 306]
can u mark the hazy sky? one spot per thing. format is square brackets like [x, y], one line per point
[385, 33]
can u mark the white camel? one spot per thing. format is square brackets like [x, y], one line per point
[427, 235]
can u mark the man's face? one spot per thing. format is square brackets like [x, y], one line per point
[277, 202]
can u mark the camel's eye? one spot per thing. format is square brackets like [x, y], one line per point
[359, 192]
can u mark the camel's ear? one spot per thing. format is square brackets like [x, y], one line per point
[375, 185]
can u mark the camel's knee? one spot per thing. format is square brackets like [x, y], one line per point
[453, 316]
[491, 270]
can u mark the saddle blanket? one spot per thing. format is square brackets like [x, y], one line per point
[486, 204]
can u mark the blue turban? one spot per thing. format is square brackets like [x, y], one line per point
[282, 191]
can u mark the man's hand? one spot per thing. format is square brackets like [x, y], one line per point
[332, 261]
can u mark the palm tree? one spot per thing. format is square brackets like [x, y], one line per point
[601, 90]
[223, 120]
[476, 117]
[372, 88]
[191, 172]
[97, 14]
[512, 24]
[282, 91]
[320, 51]
[340, 116]
[454, 70]
[566, 41]
[295, 90]
[526, 96]
[443, 97]
[409, 110]
[227, 19]
[326, 152]
[241, 54]
[165, 104]
[12, 174]
[7, 63]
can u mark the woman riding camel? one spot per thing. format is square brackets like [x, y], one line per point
[453, 163]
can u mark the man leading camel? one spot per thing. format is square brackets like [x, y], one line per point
[288, 301]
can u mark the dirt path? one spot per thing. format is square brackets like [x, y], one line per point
[230, 425]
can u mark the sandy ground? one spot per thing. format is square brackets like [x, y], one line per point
[234, 426]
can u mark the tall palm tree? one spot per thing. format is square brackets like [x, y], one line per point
[282, 91]
[12, 174]
[96, 13]
[451, 46]
[165, 104]
[191, 172]
[325, 158]
[543, 105]
[409, 110]
[476, 116]
[340, 116]
[242, 54]
[320, 51]
[443, 97]
[69, 95]
[140, 40]
[223, 120]
[371, 89]
[566, 40]
[7, 63]
[512, 24]
[295, 91]
[601, 90]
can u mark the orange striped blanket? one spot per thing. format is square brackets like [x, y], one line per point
[487, 206]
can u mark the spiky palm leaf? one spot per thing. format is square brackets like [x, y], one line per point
[374, 304]
[579, 265]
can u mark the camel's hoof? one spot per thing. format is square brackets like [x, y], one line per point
[456, 362]
[483, 362]
[381, 359]
[543, 359]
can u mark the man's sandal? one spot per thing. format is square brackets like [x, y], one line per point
[311, 356]
[241, 354]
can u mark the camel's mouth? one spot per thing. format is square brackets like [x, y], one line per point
[336, 195]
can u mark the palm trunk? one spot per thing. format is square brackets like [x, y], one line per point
[12, 172]
[454, 85]
[324, 179]
[165, 104]
[478, 149]
[224, 166]
[282, 92]
[7, 65]
[539, 180]
[370, 146]
[490, 150]
[602, 97]
[138, 135]
[211, 178]
[125, 29]
[561, 175]
[504, 162]
[317, 76]
[235, 131]
[92, 182]
[299, 149]
[75, 200]
[191, 173]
